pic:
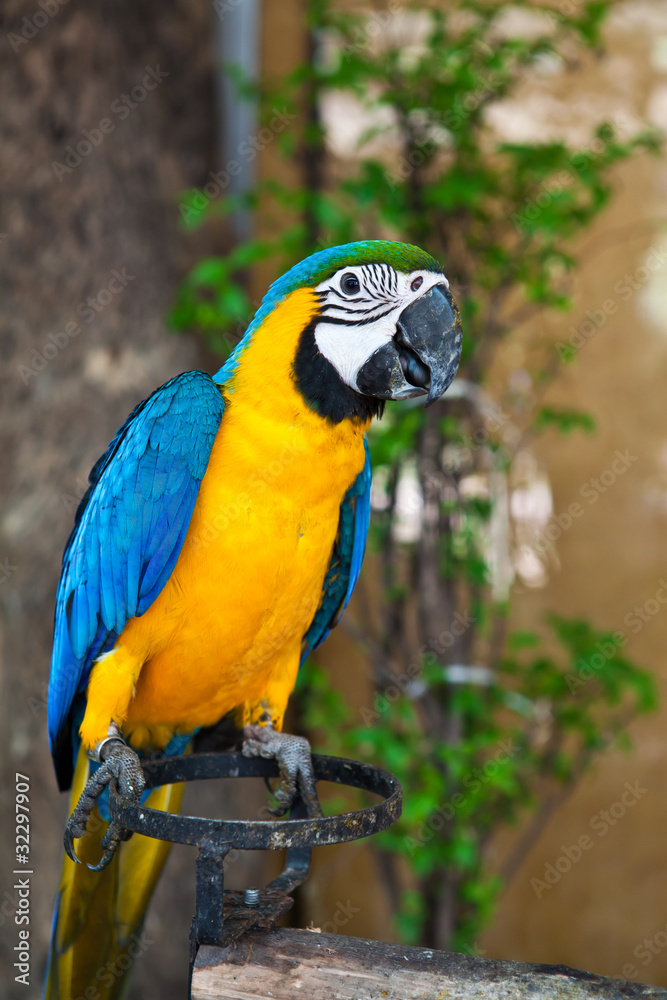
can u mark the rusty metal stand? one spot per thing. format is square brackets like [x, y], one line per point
[223, 915]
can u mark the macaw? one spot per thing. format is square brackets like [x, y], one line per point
[218, 543]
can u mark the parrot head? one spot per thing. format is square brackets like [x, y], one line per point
[383, 326]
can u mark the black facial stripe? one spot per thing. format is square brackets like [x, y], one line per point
[355, 322]
[345, 298]
[355, 312]
[361, 310]
[370, 295]
[378, 276]
[374, 292]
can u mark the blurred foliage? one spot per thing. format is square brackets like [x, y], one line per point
[530, 735]
[564, 421]
[502, 216]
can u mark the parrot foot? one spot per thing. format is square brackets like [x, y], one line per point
[117, 761]
[294, 761]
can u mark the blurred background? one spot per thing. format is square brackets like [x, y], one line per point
[160, 164]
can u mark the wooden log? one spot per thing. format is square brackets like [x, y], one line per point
[285, 964]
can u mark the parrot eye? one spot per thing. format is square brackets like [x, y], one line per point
[417, 283]
[349, 283]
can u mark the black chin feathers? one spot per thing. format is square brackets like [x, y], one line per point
[320, 385]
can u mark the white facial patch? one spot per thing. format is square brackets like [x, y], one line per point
[355, 324]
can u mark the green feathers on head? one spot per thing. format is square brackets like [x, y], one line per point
[401, 256]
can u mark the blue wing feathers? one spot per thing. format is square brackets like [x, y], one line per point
[131, 570]
[346, 559]
[152, 577]
[129, 530]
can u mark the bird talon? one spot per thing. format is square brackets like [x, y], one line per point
[293, 756]
[109, 843]
[69, 847]
[284, 794]
[103, 862]
[280, 810]
[123, 764]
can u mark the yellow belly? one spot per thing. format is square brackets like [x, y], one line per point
[242, 595]
[226, 630]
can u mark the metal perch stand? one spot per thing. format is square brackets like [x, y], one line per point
[223, 915]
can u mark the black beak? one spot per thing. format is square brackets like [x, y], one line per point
[424, 355]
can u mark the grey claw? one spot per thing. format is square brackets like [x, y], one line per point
[284, 794]
[123, 764]
[104, 861]
[295, 764]
[280, 810]
[109, 844]
[69, 846]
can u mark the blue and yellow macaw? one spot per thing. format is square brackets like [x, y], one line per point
[218, 543]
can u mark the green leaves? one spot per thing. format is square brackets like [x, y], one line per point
[564, 421]
[599, 671]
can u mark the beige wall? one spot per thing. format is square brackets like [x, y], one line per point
[614, 556]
